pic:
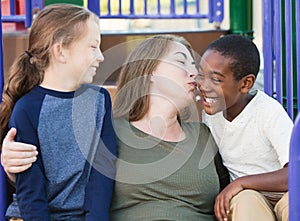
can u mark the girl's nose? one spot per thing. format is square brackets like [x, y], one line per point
[100, 57]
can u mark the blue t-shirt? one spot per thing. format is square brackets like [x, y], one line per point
[72, 178]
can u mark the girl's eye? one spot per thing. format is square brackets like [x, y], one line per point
[93, 46]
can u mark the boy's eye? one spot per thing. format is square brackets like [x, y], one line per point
[200, 75]
[93, 46]
[216, 80]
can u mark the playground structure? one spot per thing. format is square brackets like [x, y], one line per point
[281, 51]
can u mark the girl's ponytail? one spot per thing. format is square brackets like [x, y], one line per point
[23, 76]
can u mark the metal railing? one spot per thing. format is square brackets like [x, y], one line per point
[186, 9]
[16, 18]
[281, 49]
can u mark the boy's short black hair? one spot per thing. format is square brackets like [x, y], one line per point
[242, 51]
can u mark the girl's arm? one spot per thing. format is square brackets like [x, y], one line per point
[16, 157]
[30, 184]
[101, 182]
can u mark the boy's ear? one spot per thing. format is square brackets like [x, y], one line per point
[247, 83]
[58, 53]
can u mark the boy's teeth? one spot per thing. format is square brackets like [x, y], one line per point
[210, 100]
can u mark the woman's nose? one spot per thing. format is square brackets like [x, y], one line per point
[193, 72]
[192, 75]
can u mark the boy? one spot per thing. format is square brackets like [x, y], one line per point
[252, 131]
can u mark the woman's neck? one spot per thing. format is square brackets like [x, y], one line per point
[161, 122]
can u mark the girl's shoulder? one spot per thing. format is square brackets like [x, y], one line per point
[29, 100]
[99, 89]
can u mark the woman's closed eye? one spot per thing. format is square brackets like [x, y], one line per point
[180, 61]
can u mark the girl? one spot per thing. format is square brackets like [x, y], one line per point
[45, 97]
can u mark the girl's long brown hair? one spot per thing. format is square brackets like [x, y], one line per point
[63, 23]
[132, 99]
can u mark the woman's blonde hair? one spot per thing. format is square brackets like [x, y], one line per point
[63, 23]
[132, 99]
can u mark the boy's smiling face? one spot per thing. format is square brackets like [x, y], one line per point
[219, 88]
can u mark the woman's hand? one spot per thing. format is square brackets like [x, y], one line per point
[16, 157]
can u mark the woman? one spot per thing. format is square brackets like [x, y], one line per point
[166, 168]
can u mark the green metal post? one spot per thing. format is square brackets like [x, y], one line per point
[294, 58]
[241, 18]
[293, 36]
[75, 2]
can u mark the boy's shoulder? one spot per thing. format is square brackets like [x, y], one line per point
[268, 108]
[265, 102]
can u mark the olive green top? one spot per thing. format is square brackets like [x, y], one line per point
[160, 180]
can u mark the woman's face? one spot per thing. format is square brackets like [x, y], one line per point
[174, 77]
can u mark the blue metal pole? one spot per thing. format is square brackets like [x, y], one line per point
[172, 7]
[37, 4]
[12, 7]
[219, 11]
[28, 13]
[294, 178]
[185, 6]
[158, 7]
[1, 60]
[267, 47]
[210, 11]
[120, 7]
[289, 60]
[3, 193]
[278, 49]
[197, 7]
[145, 7]
[297, 8]
[108, 8]
[94, 6]
[131, 7]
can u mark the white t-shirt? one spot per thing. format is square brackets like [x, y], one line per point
[257, 140]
